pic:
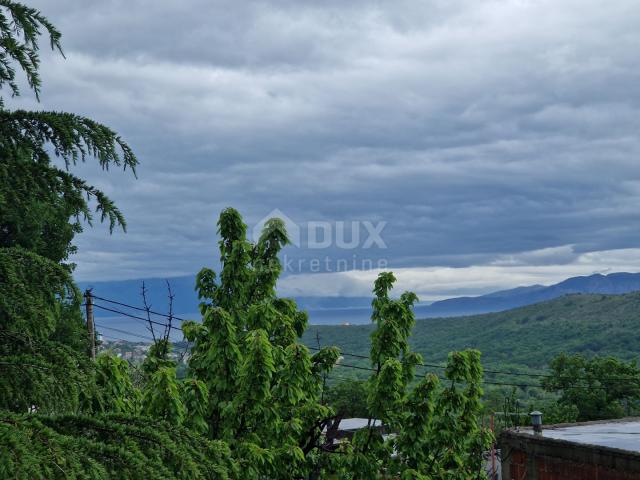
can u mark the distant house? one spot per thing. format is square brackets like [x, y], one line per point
[603, 450]
[341, 428]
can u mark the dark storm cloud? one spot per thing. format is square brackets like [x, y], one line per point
[478, 130]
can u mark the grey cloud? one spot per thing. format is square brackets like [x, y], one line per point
[476, 129]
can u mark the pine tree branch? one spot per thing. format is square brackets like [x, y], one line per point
[71, 136]
[20, 29]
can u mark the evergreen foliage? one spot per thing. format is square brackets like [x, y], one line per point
[20, 29]
[107, 446]
[44, 366]
[37, 197]
[42, 338]
[43, 341]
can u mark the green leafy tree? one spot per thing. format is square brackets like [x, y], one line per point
[114, 391]
[433, 430]
[265, 388]
[42, 207]
[556, 412]
[598, 387]
[252, 403]
[348, 398]
[162, 397]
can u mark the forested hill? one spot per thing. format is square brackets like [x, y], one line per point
[527, 336]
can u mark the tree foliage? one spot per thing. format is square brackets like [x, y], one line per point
[598, 387]
[263, 385]
[20, 29]
[265, 388]
[43, 341]
[433, 430]
[38, 197]
[107, 446]
[348, 398]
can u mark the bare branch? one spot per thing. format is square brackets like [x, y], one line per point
[147, 309]
[167, 329]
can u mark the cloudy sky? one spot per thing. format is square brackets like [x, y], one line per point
[491, 143]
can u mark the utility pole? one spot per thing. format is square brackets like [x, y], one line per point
[90, 325]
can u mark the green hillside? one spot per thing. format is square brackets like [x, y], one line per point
[522, 339]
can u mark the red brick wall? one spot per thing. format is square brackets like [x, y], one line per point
[518, 465]
[550, 468]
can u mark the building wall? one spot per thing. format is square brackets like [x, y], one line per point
[532, 457]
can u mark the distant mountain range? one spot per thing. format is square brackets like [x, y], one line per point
[614, 283]
[356, 310]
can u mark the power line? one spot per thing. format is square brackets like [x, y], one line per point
[357, 367]
[141, 309]
[364, 357]
[124, 331]
[146, 320]
[422, 364]
[431, 365]
[485, 382]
